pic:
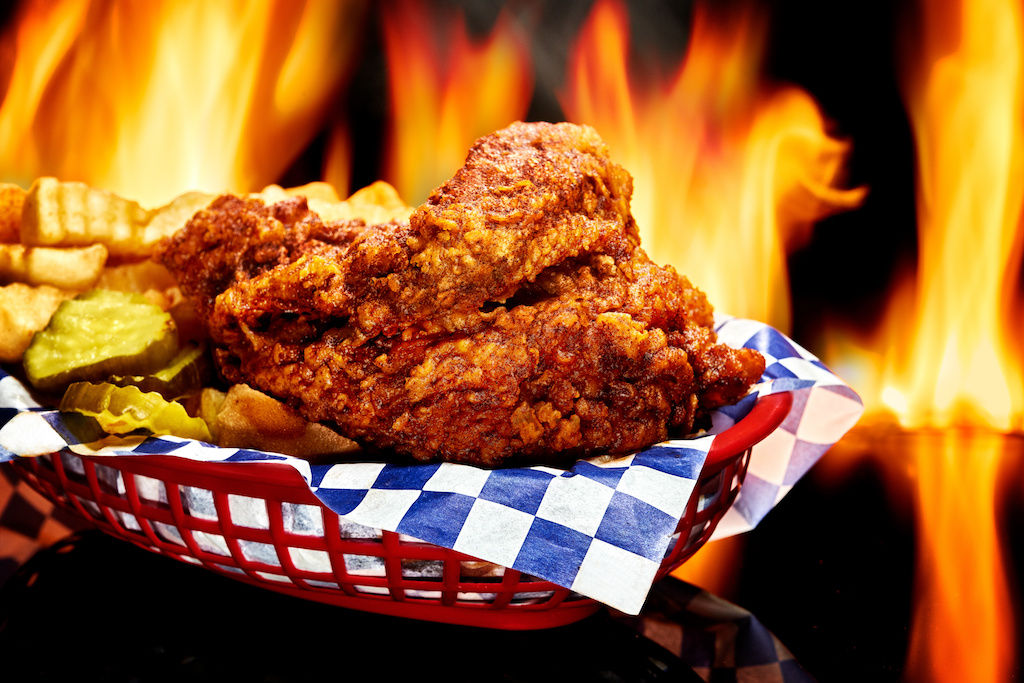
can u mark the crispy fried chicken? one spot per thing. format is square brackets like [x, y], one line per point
[513, 318]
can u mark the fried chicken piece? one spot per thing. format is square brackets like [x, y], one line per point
[561, 375]
[234, 239]
[513, 318]
[524, 200]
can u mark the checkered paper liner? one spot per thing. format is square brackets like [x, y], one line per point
[600, 528]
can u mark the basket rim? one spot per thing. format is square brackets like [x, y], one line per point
[764, 418]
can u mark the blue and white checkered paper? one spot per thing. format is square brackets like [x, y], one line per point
[600, 528]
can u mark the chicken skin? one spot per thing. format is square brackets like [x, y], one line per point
[514, 318]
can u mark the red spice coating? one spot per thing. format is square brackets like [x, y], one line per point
[514, 318]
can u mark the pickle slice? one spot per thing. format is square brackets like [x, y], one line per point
[185, 373]
[120, 410]
[97, 334]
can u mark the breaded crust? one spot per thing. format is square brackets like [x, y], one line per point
[514, 318]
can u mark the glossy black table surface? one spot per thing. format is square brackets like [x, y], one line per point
[96, 608]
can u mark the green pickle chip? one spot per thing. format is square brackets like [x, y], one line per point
[120, 410]
[185, 373]
[98, 334]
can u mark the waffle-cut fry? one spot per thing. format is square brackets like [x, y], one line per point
[136, 276]
[206, 406]
[376, 203]
[24, 310]
[74, 214]
[12, 198]
[318, 190]
[246, 417]
[164, 221]
[75, 268]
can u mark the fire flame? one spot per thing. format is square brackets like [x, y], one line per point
[152, 99]
[712, 130]
[948, 355]
[951, 349]
[446, 90]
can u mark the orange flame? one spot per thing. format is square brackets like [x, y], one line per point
[152, 99]
[963, 628]
[949, 342]
[712, 130]
[948, 352]
[447, 90]
[709, 132]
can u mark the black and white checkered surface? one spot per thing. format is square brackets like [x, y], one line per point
[718, 639]
[600, 528]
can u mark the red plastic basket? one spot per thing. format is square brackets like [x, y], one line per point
[144, 500]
